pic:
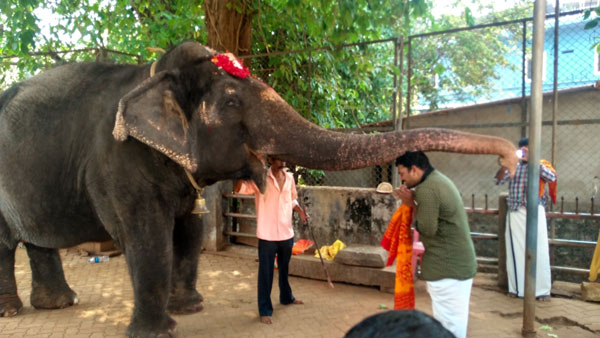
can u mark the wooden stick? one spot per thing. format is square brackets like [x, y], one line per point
[319, 251]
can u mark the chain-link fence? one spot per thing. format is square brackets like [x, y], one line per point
[336, 87]
[349, 88]
[474, 79]
[478, 79]
[500, 56]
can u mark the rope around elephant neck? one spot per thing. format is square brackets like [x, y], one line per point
[193, 181]
[199, 190]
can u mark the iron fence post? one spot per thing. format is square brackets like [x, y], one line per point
[502, 209]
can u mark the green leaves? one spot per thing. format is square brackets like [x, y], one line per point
[125, 26]
[592, 23]
[461, 66]
[548, 330]
[335, 88]
[469, 19]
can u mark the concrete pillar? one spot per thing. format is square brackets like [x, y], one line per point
[502, 209]
[214, 223]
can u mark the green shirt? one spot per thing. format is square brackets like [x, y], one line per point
[444, 230]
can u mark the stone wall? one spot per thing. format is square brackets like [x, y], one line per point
[352, 215]
[361, 215]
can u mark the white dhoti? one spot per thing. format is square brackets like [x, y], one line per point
[515, 253]
[450, 303]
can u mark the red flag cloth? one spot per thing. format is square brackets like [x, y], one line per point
[301, 246]
[551, 185]
[397, 240]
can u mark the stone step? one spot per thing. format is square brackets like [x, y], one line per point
[310, 267]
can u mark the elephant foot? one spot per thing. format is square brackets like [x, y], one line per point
[165, 329]
[188, 303]
[10, 305]
[44, 298]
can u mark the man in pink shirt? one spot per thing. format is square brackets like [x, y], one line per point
[275, 233]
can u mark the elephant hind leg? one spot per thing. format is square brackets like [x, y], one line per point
[10, 303]
[183, 301]
[49, 289]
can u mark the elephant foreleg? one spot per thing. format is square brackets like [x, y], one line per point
[187, 243]
[149, 259]
[10, 303]
[49, 289]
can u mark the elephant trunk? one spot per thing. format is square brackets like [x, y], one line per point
[331, 151]
[292, 138]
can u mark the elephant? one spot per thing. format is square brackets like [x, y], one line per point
[95, 151]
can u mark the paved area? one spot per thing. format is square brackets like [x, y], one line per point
[228, 283]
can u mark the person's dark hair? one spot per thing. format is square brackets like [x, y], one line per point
[399, 324]
[524, 142]
[416, 158]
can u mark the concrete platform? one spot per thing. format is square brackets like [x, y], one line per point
[308, 266]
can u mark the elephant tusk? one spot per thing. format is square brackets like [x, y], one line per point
[256, 154]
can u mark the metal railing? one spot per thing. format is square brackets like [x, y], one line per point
[552, 240]
[233, 214]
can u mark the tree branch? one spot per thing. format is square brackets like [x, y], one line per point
[52, 53]
[70, 51]
[262, 33]
[330, 30]
[141, 15]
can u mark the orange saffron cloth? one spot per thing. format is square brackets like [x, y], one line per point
[551, 185]
[398, 241]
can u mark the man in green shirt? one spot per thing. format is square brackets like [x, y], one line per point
[449, 263]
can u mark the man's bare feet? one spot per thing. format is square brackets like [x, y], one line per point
[297, 302]
[266, 320]
[543, 298]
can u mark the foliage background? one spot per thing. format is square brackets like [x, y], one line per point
[335, 88]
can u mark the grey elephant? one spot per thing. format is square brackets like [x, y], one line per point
[93, 151]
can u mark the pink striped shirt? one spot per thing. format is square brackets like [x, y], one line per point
[273, 209]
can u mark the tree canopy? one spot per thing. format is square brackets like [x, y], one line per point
[463, 65]
[333, 87]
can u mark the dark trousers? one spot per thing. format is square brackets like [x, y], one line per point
[266, 260]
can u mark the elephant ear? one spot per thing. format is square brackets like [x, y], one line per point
[150, 114]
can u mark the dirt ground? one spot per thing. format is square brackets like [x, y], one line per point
[228, 284]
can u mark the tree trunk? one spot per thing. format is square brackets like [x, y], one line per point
[229, 25]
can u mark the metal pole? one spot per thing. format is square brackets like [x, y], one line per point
[555, 88]
[408, 82]
[398, 123]
[554, 111]
[399, 54]
[395, 93]
[533, 170]
[523, 79]
[309, 82]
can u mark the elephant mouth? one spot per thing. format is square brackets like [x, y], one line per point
[254, 153]
[257, 166]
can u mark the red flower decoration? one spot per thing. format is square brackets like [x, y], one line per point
[231, 65]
